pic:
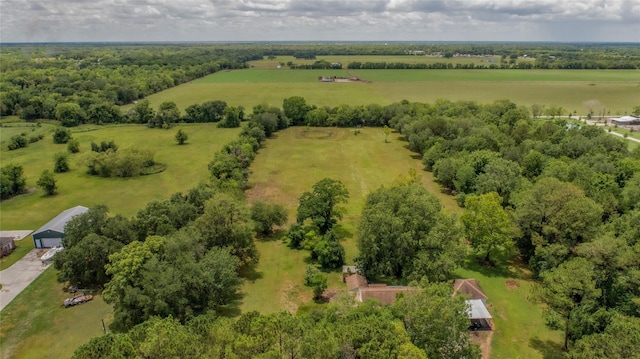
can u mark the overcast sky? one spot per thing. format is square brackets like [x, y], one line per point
[320, 20]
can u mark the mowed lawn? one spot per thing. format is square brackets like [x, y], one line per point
[299, 157]
[37, 325]
[617, 90]
[186, 167]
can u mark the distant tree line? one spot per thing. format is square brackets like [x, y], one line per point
[58, 82]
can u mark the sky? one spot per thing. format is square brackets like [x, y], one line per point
[319, 20]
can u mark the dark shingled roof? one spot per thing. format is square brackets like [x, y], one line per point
[355, 281]
[469, 287]
[384, 294]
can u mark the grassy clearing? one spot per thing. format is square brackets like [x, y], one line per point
[186, 167]
[618, 90]
[36, 324]
[289, 166]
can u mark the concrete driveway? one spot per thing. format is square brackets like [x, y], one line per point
[17, 277]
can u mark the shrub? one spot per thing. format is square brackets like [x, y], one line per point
[17, 141]
[61, 162]
[61, 135]
[73, 146]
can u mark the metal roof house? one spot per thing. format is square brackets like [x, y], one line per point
[51, 234]
[626, 120]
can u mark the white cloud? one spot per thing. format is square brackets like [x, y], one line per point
[231, 20]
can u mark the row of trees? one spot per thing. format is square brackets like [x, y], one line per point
[426, 323]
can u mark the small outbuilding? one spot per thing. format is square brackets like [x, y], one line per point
[50, 235]
[7, 245]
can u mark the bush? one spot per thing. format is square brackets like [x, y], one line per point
[47, 182]
[125, 163]
[61, 162]
[61, 135]
[17, 141]
[73, 146]
[181, 137]
[315, 280]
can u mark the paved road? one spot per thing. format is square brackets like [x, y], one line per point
[595, 123]
[17, 277]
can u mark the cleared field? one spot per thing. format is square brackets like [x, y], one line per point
[10, 129]
[618, 90]
[290, 165]
[186, 167]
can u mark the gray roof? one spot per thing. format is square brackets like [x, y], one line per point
[60, 221]
[477, 310]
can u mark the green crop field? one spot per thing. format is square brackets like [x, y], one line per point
[617, 90]
[186, 167]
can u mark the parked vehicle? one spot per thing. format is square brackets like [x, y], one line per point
[78, 299]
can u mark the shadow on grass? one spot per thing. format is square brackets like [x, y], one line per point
[503, 268]
[232, 309]
[250, 273]
[548, 348]
[278, 234]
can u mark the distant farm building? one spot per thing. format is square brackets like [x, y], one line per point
[51, 234]
[626, 121]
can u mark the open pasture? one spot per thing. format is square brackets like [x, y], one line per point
[617, 90]
[186, 167]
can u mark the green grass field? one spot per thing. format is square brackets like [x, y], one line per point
[618, 90]
[186, 167]
[10, 129]
[290, 165]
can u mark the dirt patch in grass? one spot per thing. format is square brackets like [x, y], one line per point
[289, 296]
[315, 134]
[483, 339]
[511, 284]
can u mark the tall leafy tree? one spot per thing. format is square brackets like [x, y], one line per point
[321, 204]
[295, 108]
[566, 289]
[226, 222]
[267, 215]
[487, 226]
[84, 263]
[400, 233]
[437, 322]
[12, 181]
[553, 217]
